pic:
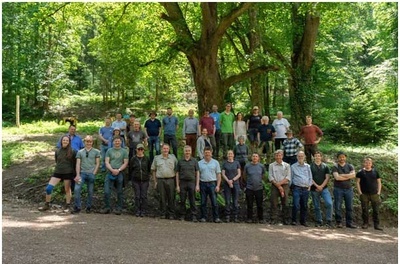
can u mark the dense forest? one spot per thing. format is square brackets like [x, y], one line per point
[335, 61]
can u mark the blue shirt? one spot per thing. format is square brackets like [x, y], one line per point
[170, 123]
[120, 124]
[76, 142]
[209, 170]
[152, 127]
[216, 117]
[106, 133]
[301, 175]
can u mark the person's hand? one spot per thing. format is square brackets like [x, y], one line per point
[216, 188]
[78, 178]
[178, 190]
[197, 188]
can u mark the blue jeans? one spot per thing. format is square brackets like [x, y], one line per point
[154, 142]
[103, 156]
[208, 189]
[300, 199]
[89, 178]
[346, 194]
[316, 198]
[231, 198]
[107, 189]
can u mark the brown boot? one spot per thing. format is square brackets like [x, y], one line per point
[45, 207]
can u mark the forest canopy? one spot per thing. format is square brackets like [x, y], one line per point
[335, 61]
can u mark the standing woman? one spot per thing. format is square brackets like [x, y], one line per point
[231, 175]
[239, 128]
[65, 170]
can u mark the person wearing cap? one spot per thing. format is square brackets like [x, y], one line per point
[152, 128]
[253, 122]
[310, 135]
[170, 125]
[281, 126]
[190, 131]
[226, 122]
[291, 146]
[119, 123]
[116, 133]
[343, 172]
[135, 137]
[87, 166]
[139, 174]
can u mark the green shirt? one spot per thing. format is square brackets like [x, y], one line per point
[88, 159]
[117, 157]
[227, 122]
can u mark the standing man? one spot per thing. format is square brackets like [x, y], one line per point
[253, 122]
[187, 175]
[190, 131]
[226, 120]
[87, 166]
[311, 135]
[320, 173]
[281, 126]
[105, 134]
[279, 174]
[291, 146]
[135, 137]
[301, 184]
[217, 117]
[369, 187]
[208, 123]
[152, 127]
[343, 172]
[209, 182]
[120, 123]
[76, 141]
[163, 169]
[117, 159]
[170, 125]
[202, 142]
[139, 170]
[265, 135]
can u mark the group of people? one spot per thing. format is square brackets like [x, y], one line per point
[78, 162]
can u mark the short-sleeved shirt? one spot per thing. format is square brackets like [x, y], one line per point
[231, 169]
[117, 157]
[208, 123]
[136, 137]
[217, 117]
[266, 132]
[165, 167]
[152, 127]
[106, 133]
[368, 181]
[65, 165]
[226, 121]
[319, 173]
[280, 126]
[254, 175]
[346, 169]
[187, 169]
[120, 124]
[76, 142]
[88, 159]
[254, 121]
[209, 170]
[170, 123]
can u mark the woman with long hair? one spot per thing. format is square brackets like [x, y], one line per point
[239, 128]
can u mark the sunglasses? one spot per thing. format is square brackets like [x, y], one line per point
[140, 149]
[87, 154]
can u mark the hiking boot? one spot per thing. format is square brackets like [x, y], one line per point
[351, 226]
[236, 220]
[262, 222]
[118, 212]
[76, 211]
[227, 219]
[88, 210]
[339, 225]
[318, 224]
[203, 220]
[137, 214]
[194, 219]
[294, 223]
[330, 224]
[304, 224]
[377, 227]
[45, 207]
[105, 211]
[67, 208]
[217, 220]
[364, 226]
[249, 221]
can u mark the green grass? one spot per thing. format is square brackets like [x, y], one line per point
[15, 152]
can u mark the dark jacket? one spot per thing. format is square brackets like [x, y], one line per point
[139, 169]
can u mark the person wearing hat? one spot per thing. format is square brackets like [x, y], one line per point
[343, 172]
[152, 128]
[253, 122]
[291, 146]
[281, 126]
[139, 174]
[116, 133]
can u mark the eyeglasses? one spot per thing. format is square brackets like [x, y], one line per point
[140, 149]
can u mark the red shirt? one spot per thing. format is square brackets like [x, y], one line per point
[207, 122]
[310, 133]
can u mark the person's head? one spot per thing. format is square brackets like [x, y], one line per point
[204, 132]
[117, 131]
[241, 140]
[215, 108]
[65, 141]
[169, 111]
[255, 110]
[117, 141]
[136, 125]
[278, 155]
[301, 157]
[239, 116]
[289, 134]
[132, 118]
[191, 112]
[308, 120]
[140, 150]
[255, 158]
[279, 114]
[88, 141]
[318, 156]
[187, 151]
[152, 114]
[341, 157]
[107, 121]
[265, 120]
[230, 155]
[368, 163]
[118, 116]
[228, 107]
[207, 153]
[165, 149]
[72, 130]
[206, 112]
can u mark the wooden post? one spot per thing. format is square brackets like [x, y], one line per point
[17, 112]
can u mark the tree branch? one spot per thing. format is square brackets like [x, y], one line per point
[228, 82]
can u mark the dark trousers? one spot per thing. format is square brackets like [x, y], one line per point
[227, 142]
[290, 159]
[171, 140]
[275, 196]
[375, 202]
[191, 140]
[166, 188]
[217, 143]
[231, 199]
[258, 196]
[187, 190]
[140, 188]
[309, 150]
[208, 189]
[341, 194]
[300, 200]
[278, 142]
